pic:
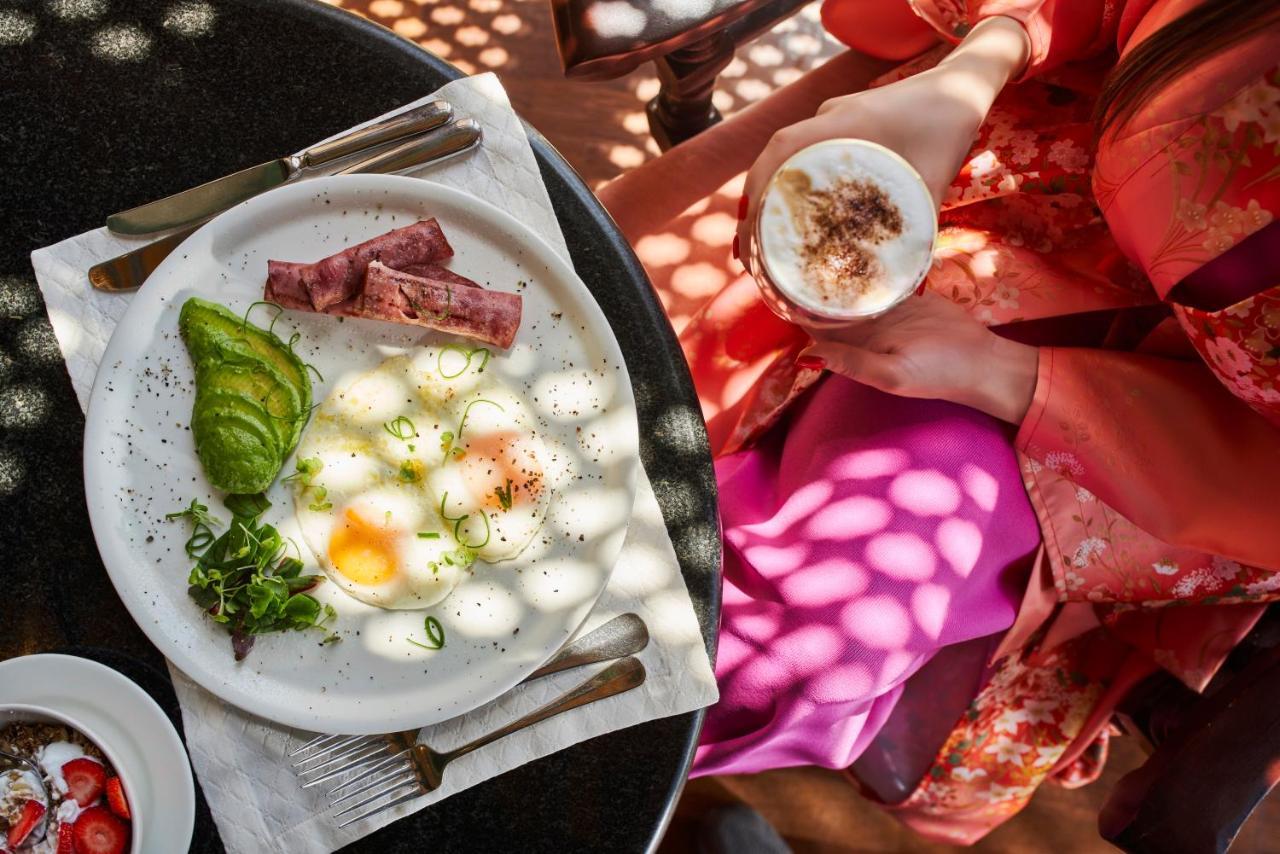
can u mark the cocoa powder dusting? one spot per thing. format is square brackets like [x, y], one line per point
[837, 225]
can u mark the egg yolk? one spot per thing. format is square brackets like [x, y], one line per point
[499, 470]
[362, 552]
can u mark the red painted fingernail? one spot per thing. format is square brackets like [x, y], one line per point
[735, 246]
[810, 363]
[920, 290]
[742, 207]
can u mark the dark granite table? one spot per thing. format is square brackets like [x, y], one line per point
[106, 104]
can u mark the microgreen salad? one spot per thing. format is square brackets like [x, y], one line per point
[245, 577]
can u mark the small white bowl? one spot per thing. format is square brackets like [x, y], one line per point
[123, 764]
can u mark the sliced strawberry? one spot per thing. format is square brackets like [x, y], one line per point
[116, 799]
[97, 831]
[85, 779]
[66, 840]
[32, 812]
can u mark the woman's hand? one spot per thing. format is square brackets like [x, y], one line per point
[930, 118]
[927, 346]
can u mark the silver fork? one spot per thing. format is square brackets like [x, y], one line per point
[328, 756]
[413, 770]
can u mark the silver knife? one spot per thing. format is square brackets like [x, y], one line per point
[128, 271]
[202, 202]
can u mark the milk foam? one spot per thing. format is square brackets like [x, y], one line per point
[887, 263]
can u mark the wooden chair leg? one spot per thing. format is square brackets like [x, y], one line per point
[682, 108]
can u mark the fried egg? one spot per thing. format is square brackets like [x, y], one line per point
[416, 469]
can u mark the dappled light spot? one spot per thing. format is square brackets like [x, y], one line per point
[925, 492]
[13, 472]
[803, 44]
[615, 19]
[736, 68]
[698, 207]
[636, 123]
[472, 36]
[660, 250]
[809, 648]
[16, 299]
[438, 46]
[824, 583]
[855, 516]
[189, 19]
[765, 54]
[486, 6]
[410, 28]
[77, 10]
[23, 407]
[802, 503]
[864, 465]
[751, 88]
[679, 429]
[722, 101]
[895, 666]
[647, 88]
[714, 229]
[786, 76]
[494, 57]
[929, 604]
[506, 24]
[448, 16]
[776, 559]
[838, 684]
[698, 281]
[878, 621]
[959, 542]
[35, 340]
[6, 367]
[761, 626]
[464, 66]
[763, 673]
[904, 556]
[387, 8]
[16, 27]
[121, 43]
[981, 487]
[626, 156]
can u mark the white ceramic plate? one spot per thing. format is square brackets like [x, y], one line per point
[128, 726]
[505, 619]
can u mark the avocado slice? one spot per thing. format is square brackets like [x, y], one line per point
[264, 386]
[235, 442]
[213, 332]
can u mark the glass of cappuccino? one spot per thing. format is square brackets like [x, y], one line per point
[844, 231]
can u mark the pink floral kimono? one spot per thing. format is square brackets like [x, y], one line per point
[1151, 453]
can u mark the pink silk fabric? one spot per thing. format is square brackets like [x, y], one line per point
[861, 535]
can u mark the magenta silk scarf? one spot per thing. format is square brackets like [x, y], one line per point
[863, 535]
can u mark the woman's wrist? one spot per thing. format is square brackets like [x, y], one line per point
[1005, 381]
[994, 52]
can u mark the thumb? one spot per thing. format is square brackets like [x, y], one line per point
[866, 366]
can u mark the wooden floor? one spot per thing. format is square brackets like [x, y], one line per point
[600, 128]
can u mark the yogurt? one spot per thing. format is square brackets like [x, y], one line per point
[845, 230]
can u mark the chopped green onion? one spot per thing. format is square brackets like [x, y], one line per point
[504, 495]
[428, 535]
[457, 532]
[463, 423]
[467, 354]
[409, 471]
[435, 634]
[402, 428]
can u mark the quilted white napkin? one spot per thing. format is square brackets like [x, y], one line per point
[239, 758]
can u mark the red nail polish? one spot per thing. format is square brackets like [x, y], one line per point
[920, 290]
[810, 363]
[742, 207]
[735, 246]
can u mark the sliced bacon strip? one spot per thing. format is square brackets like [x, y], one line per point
[440, 303]
[338, 278]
